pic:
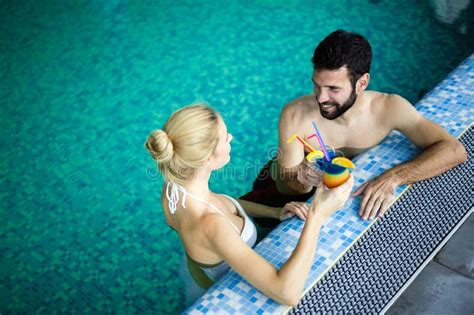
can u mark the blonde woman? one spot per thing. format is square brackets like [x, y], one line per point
[215, 229]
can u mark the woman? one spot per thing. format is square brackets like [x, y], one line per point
[215, 229]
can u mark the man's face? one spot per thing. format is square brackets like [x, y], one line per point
[334, 92]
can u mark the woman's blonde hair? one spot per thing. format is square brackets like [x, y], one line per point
[186, 142]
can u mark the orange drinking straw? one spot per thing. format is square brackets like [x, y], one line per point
[293, 137]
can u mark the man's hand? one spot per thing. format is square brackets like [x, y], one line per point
[377, 195]
[309, 174]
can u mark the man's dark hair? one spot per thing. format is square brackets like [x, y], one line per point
[342, 48]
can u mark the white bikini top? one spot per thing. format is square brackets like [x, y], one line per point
[249, 231]
[248, 234]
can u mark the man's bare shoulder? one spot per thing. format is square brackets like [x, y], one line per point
[298, 108]
[385, 102]
[385, 98]
[392, 110]
[376, 99]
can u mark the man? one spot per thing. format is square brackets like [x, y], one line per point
[351, 119]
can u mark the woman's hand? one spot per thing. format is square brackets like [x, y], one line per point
[327, 201]
[309, 174]
[294, 208]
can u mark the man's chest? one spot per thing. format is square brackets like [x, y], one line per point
[352, 140]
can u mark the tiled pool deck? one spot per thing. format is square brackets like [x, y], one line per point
[450, 104]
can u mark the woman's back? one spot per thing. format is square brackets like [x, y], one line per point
[195, 219]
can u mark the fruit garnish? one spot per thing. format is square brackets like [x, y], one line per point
[342, 161]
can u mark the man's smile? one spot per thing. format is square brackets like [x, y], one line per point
[328, 107]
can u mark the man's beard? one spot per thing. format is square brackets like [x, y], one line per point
[339, 109]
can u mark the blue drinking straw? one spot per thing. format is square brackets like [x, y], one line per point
[321, 142]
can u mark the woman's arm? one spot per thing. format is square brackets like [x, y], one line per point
[285, 285]
[259, 210]
[290, 209]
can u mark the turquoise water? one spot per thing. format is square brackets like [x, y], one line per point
[82, 85]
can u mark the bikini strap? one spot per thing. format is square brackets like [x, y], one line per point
[172, 194]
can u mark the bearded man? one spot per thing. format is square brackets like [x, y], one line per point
[351, 119]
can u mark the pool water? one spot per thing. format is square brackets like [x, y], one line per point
[83, 83]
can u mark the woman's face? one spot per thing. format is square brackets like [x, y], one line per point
[221, 155]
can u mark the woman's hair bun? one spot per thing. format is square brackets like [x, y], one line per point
[185, 142]
[160, 146]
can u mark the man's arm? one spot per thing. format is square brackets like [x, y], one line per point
[290, 155]
[441, 152]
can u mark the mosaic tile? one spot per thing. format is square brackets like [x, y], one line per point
[348, 225]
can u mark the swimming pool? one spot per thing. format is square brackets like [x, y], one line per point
[83, 84]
